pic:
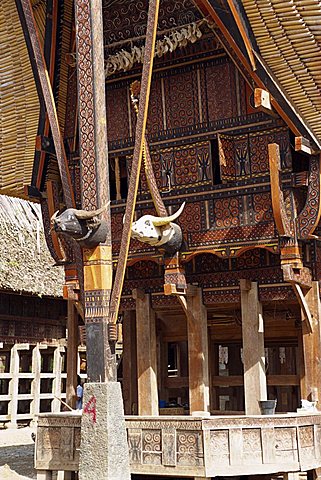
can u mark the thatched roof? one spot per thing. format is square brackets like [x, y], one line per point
[288, 35]
[25, 262]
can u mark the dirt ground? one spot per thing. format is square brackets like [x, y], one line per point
[16, 454]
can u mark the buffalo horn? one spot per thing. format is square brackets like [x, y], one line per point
[53, 218]
[87, 215]
[160, 221]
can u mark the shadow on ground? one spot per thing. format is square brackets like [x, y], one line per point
[20, 459]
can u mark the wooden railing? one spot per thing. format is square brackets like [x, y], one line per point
[194, 446]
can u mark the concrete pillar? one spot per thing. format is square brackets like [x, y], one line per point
[146, 355]
[253, 347]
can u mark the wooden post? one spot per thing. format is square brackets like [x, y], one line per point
[311, 343]
[35, 386]
[129, 363]
[253, 347]
[146, 355]
[56, 384]
[13, 386]
[197, 352]
[72, 354]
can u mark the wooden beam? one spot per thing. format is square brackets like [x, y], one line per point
[129, 363]
[311, 347]
[239, 22]
[72, 354]
[146, 355]
[306, 314]
[253, 348]
[197, 335]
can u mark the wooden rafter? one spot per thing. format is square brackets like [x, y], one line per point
[45, 92]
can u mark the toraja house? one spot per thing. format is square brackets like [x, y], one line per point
[220, 305]
[33, 316]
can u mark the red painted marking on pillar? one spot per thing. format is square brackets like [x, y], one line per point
[90, 408]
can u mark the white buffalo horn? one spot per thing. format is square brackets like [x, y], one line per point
[53, 218]
[160, 221]
[86, 214]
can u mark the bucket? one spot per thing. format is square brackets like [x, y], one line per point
[267, 407]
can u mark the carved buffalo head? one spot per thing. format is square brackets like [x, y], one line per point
[159, 231]
[82, 225]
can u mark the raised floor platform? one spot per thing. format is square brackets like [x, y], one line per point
[194, 446]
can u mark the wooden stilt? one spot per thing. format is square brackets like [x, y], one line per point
[35, 386]
[56, 384]
[72, 354]
[253, 347]
[311, 346]
[197, 352]
[129, 363]
[146, 355]
[13, 386]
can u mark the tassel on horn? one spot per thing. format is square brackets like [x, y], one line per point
[160, 221]
[87, 215]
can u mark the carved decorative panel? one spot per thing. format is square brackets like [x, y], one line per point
[226, 212]
[220, 82]
[117, 113]
[181, 101]
[243, 156]
[189, 448]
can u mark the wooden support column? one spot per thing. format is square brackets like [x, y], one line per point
[56, 384]
[146, 355]
[311, 343]
[129, 363]
[197, 336]
[13, 386]
[72, 354]
[35, 386]
[253, 347]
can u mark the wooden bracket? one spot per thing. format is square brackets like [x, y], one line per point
[304, 306]
[262, 100]
[278, 205]
[302, 145]
[300, 276]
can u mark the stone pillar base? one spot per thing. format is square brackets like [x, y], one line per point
[104, 450]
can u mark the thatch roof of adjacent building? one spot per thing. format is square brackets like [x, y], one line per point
[25, 263]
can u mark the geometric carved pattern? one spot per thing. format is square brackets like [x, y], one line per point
[243, 156]
[189, 448]
[86, 104]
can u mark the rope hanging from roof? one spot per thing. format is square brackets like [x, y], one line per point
[124, 60]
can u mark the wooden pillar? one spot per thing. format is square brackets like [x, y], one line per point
[56, 384]
[13, 386]
[253, 347]
[197, 336]
[36, 382]
[129, 363]
[146, 355]
[311, 347]
[72, 354]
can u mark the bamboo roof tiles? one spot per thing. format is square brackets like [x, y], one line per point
[19, 104]
[288, 34]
